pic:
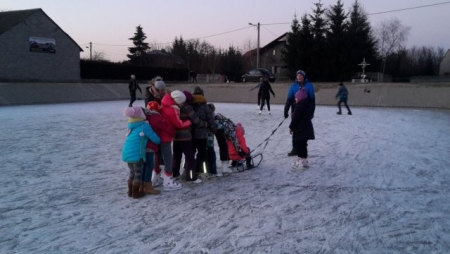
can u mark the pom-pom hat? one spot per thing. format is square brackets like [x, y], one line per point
[153, 105]
[160, 85]
[134, 112]
[178, 96]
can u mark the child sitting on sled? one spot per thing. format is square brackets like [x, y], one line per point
[233, 153]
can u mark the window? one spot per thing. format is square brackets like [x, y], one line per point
[273, 52]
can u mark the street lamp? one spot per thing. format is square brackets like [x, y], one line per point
[257, 49]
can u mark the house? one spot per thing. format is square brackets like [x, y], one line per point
[34, 48]
[444, 67]
[270, 57]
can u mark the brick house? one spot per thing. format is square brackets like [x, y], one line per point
[269, 57]
[34, 48]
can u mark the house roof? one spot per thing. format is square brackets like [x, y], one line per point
[281, 38]
[9, 19]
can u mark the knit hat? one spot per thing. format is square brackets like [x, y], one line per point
[188, 96]
[134, 112]
[178, 96]
[153, 105]
[300, 95]
[160, 85]
[198, 90]
[301, 73]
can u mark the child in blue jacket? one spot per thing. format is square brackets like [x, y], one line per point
[133, 151]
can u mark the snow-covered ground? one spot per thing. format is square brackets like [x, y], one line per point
[379, 182]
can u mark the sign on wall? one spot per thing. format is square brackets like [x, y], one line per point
[46, 45]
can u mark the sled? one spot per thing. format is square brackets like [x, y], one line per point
[242, 165]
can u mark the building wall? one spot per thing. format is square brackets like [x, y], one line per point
[18, 63]
[430, 95]
[444, 68]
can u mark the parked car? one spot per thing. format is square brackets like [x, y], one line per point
[256, 74]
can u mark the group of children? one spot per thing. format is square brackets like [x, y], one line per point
[173, 124]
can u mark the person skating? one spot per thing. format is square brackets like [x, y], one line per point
[300, 81]
[342, 94]
[132, 87]
[301, 128]
[264, 94]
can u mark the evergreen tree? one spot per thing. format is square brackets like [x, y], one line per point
[361, 40]
[315, 69]
[290, 54]
[337, 45]
[231, 64]
[179, 48]
[138, 52]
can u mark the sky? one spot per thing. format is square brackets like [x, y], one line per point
[109, 24]
[378, 182]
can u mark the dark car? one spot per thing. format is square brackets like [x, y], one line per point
[256, 74]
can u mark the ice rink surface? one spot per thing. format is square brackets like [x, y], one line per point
[378, 182]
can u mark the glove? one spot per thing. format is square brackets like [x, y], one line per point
[286, 114]
[242, 154]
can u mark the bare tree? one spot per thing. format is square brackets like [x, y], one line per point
[392, 35]
[99, 56]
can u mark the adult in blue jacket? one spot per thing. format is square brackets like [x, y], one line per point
[300, 81]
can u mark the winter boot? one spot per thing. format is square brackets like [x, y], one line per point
[339, 113]
[130, 184]
[148, 189]
[169, 184]
[249, 162]
[136, 192]
[349, 112]
[156, 179]
[225, 169]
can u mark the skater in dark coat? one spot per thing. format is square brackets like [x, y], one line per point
[264, 95]
[301, 127]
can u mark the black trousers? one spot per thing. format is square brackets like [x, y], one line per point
[222, 142]
[132, 98]
[302, 148]
[263, 101]
[202, 155]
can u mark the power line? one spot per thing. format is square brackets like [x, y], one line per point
[282, 23]
[410, 8]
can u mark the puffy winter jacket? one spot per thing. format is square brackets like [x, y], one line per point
[171, 113]
[134, 147]
[232, 152]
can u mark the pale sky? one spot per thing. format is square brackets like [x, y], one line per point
[109, 24]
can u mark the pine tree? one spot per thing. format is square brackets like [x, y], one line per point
[138, 52]
[315, 69]
[290, 54]
[361, 40]
[179, 48]
[337, 44]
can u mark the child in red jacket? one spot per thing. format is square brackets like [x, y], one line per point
[236, 156]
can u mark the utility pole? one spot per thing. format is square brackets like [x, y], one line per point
[257, 49]
[90, 48]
